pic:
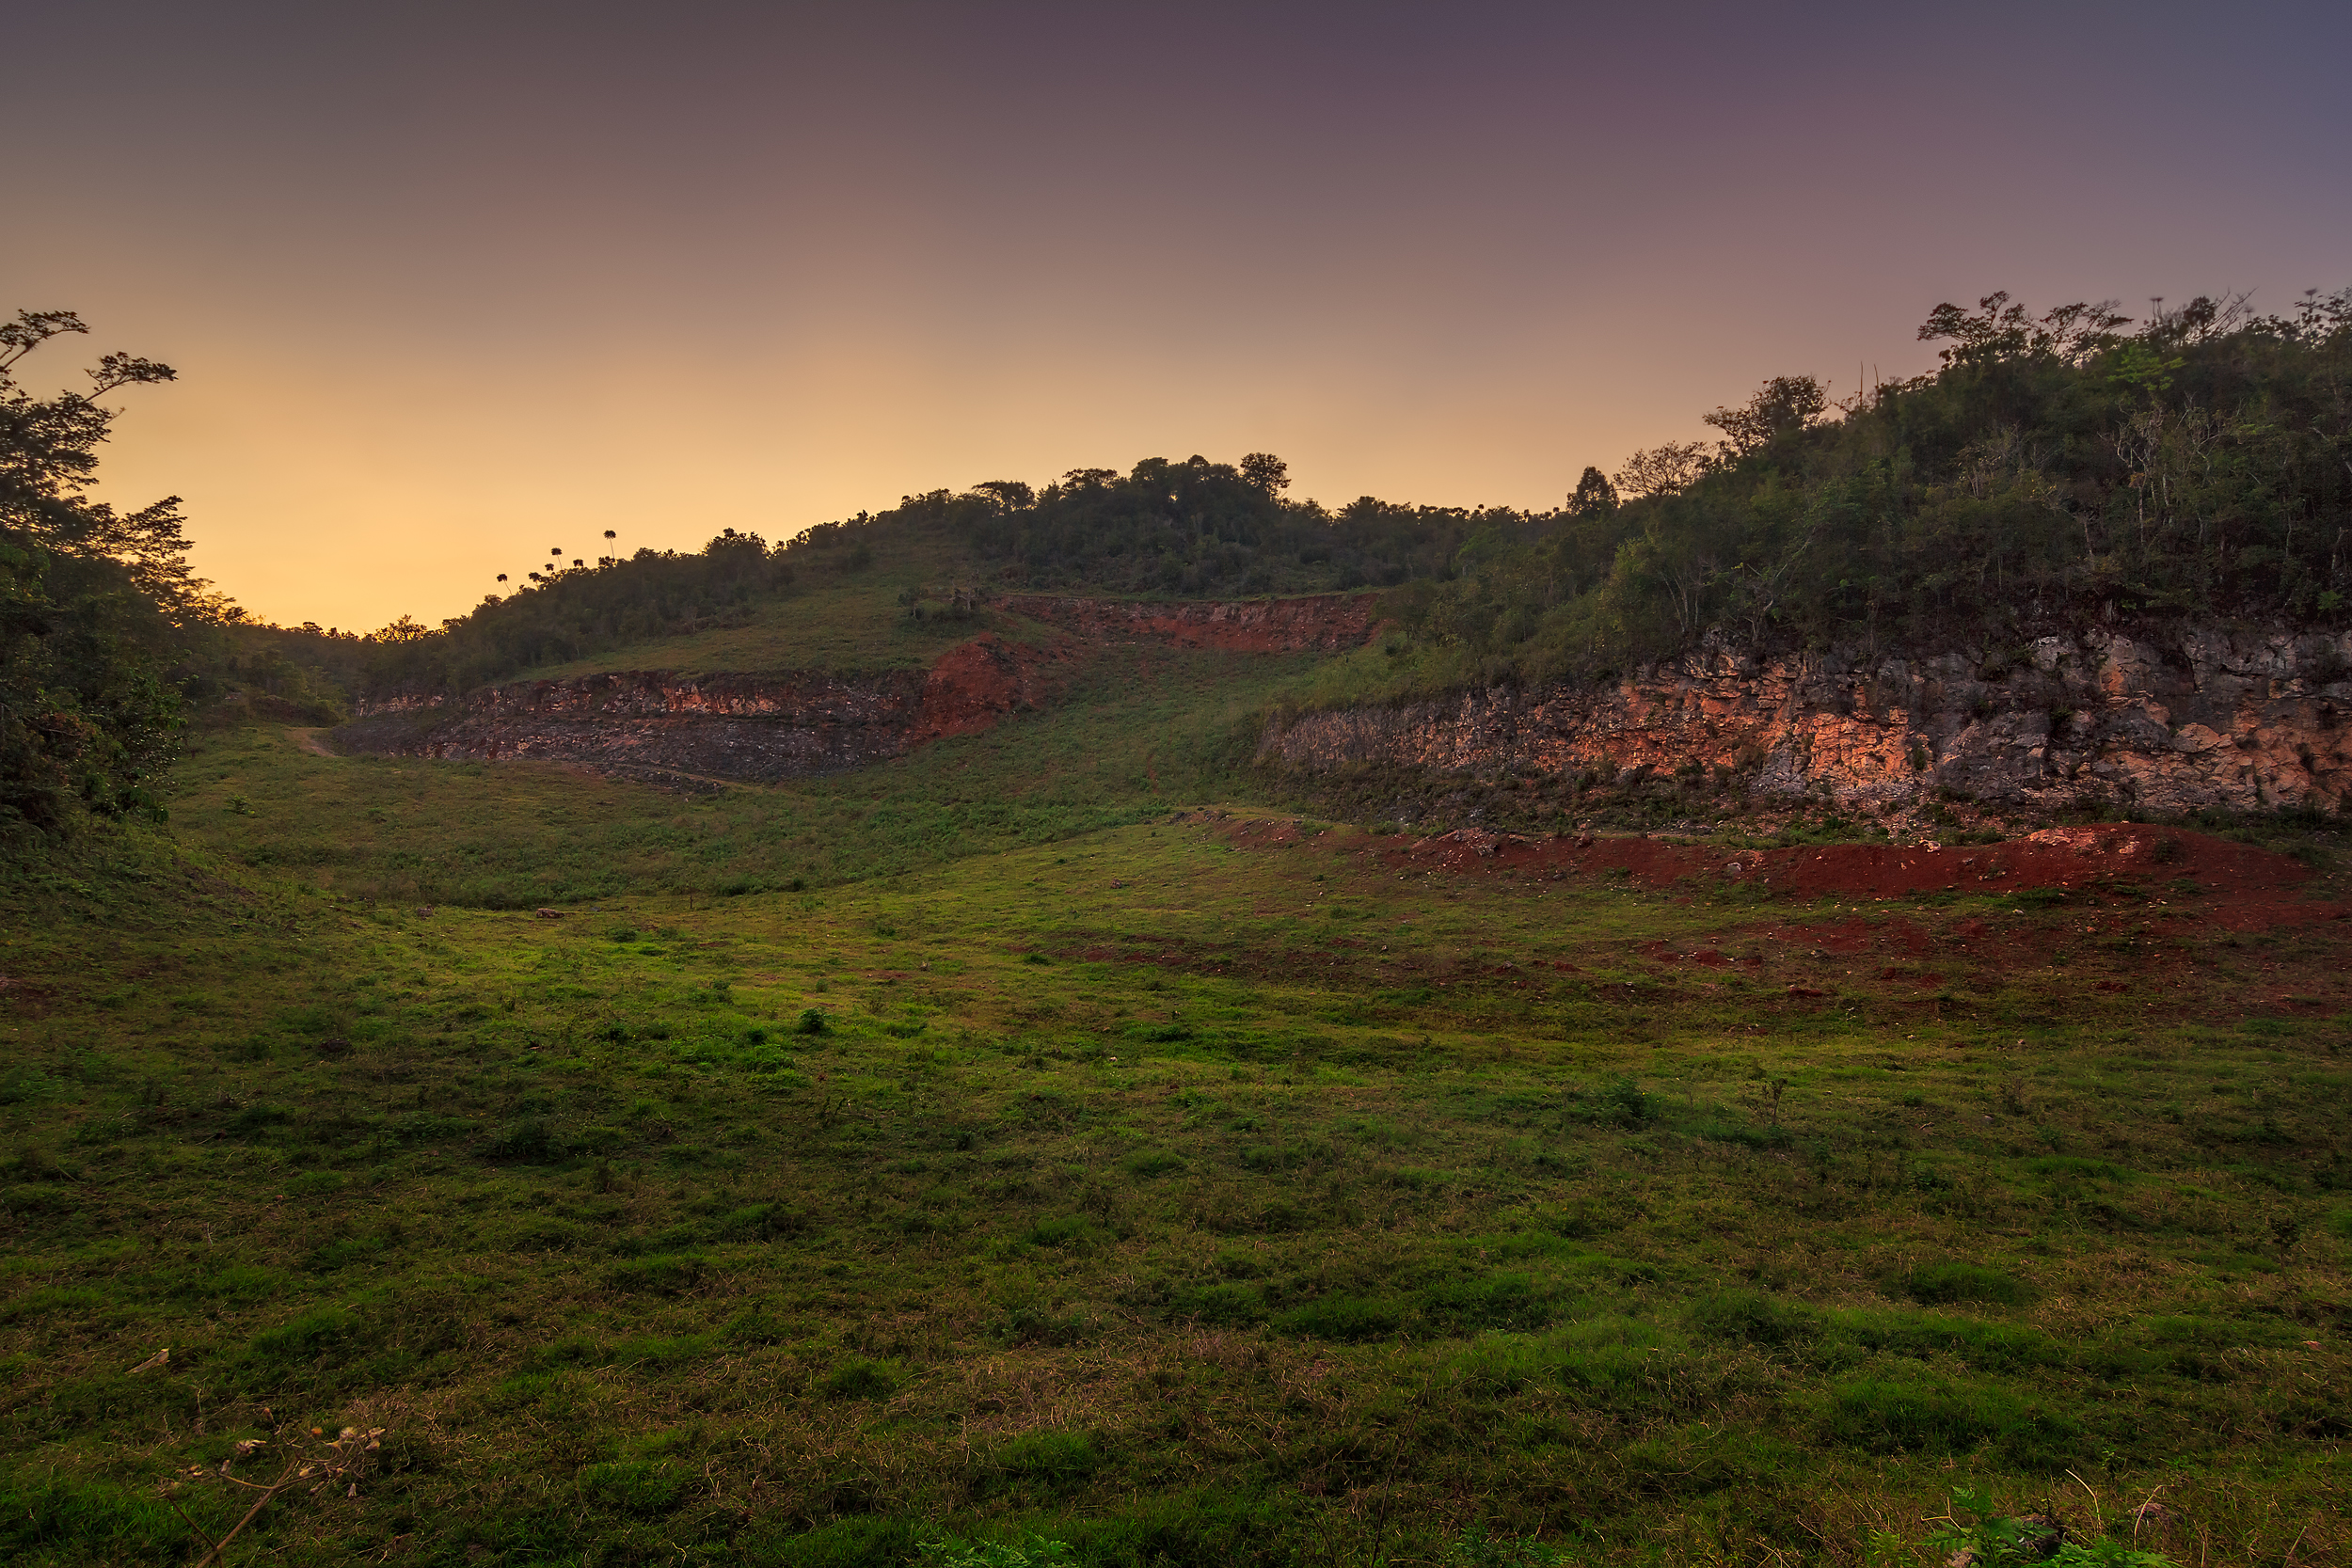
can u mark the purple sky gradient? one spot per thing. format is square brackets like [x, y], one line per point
[450, 286]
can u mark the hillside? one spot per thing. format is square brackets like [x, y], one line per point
[1118, 1026]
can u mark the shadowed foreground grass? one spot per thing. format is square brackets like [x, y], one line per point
[1183, 1203]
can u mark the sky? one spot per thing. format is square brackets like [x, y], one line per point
[447, 287]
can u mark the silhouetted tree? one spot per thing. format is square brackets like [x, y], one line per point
[1594, 493]
[93, 603]
[1266, 471]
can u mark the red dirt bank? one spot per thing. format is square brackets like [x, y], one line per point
[2239, 887]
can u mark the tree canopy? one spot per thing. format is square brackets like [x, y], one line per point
[95, 605]
[2058, 471]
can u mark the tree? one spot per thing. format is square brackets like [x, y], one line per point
[1664, 471]
[1594, 493]
[93, 602]
[1266, 471]
[1782, 406]
[1005, 495]
[2002, 330]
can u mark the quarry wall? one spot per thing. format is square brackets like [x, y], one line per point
[761, 728]
[795, 723]
[2234, 719]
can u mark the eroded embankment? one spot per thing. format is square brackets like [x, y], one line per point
[760, 728]
[2235, 885]
[764, 728]
[2238, 722]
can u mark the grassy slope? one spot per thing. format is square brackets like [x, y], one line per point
[1184, 1202]
[1139, 730]
[834, 618]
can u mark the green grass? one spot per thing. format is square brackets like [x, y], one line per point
[1177, 1200]
[833, 619]
[1141, 732]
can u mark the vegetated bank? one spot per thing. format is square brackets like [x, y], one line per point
[2209, 719]
[765, 728]
[2077, 568]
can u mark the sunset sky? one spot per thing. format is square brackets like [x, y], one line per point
[447, 286]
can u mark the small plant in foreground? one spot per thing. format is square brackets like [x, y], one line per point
[1992, 1540]
[1033, 1551]
[1477, 1548]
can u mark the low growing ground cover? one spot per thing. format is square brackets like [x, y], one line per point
[1142, 727]
[1235, 1188]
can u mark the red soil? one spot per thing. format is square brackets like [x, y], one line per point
[977, 683]
[2239, 887]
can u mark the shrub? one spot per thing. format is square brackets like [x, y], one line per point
[1621, 1103]
[812, 1023]
[1991, 1540]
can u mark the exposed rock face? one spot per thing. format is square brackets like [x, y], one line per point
[754, 727]
[2242, 721]
[1330, 622]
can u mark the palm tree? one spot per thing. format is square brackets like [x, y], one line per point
[609, 558]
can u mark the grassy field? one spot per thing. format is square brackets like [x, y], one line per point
[1142, 729]
[1181, 1200]
[834, 618]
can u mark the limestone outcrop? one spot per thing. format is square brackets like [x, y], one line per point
[761, 728]
[2213, 718]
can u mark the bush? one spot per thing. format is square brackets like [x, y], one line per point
[1620, 1103]
[1991, 1540]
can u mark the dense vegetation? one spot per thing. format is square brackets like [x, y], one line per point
[1194, 529]
[2054, 472]
[96, 607]
[1189, 528]
[2058, 469]
[565, 613]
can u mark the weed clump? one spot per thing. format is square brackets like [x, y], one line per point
[857, 1378]
[1753, 1316]
[1939, 1283]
